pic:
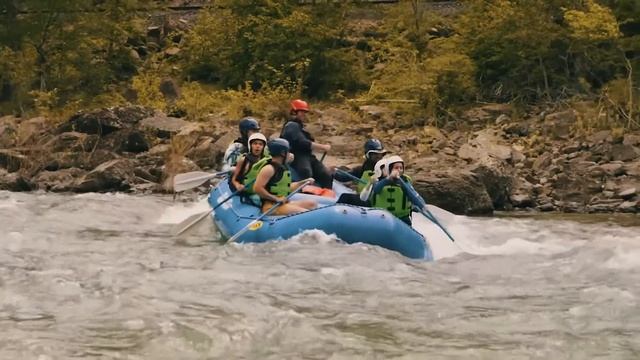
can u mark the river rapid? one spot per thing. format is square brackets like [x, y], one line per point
[99, 276]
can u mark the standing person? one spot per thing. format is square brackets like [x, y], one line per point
[273, 182]
[302, 145]
[247, 126]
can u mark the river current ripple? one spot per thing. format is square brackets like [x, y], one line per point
[99, 276]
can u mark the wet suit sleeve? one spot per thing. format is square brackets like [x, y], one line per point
[380, 184]
[292, 132]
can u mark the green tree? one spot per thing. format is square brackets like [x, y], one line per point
[274, 42]
[74, 48]
[530, 48]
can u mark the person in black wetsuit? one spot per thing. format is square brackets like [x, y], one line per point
[302, 145]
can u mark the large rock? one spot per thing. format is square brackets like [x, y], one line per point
[558, 125]
[105, 121]
[599, 137]
[33, 131]
[175, 165]
[65, 160]
[206, 154]
[168, 86]
[460, 193]
[633, 168]
[517, 129]
[542, 162]
[223, 142]
[628, 193]
[631, 206]
[12, 160]
[58, 181]
[571, 186]
[8, 132]
[344, 145]
[622, 152]
[485, 144]
[612, 169]
[125, 141]
[497, 180]
[163, 126]
[631, 139]
[334, 118]
[14, 181]
[488, 112]
[521, 200]
[115, 175]
[376, 112]
[72, 141]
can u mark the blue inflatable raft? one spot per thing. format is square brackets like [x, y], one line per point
[351, 224]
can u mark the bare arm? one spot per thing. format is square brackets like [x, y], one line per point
[236, 172]
[320, 147]
[295, 185]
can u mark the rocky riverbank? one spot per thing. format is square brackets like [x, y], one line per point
[489, 160]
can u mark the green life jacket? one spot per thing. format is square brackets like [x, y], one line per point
[252, 174]
[248, 160]
[280, 183]
[366, 175]
[393, 199]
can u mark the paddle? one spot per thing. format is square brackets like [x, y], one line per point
[267, 213]
[350, 176]
[190, 180]
[203, 215]
[422, 205]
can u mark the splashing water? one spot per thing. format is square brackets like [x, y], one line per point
[100, 276]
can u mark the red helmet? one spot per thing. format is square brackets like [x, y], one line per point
[299, 105]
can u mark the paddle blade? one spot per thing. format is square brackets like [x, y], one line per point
[190, 180]
[190, 222]
[440, 244]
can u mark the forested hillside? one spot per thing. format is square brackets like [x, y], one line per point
[58, 56]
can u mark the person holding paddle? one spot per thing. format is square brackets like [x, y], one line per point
[257, 143]
[273, 182]
[302, 145]
[389, 193]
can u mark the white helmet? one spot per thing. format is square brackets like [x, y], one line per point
[256, 136]
[392, 160]
[380, 169]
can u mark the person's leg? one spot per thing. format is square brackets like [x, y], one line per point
[352, 199]
[302, 165]
[305, 204]
[321, 174]
[284, 209]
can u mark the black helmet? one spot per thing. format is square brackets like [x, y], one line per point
[247, 124]
[278, 146]
[375, 146]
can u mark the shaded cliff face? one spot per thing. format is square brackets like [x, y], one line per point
[485, 162]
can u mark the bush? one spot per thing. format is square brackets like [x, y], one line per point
[276, 43]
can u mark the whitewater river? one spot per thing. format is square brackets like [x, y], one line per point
[100, 277]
